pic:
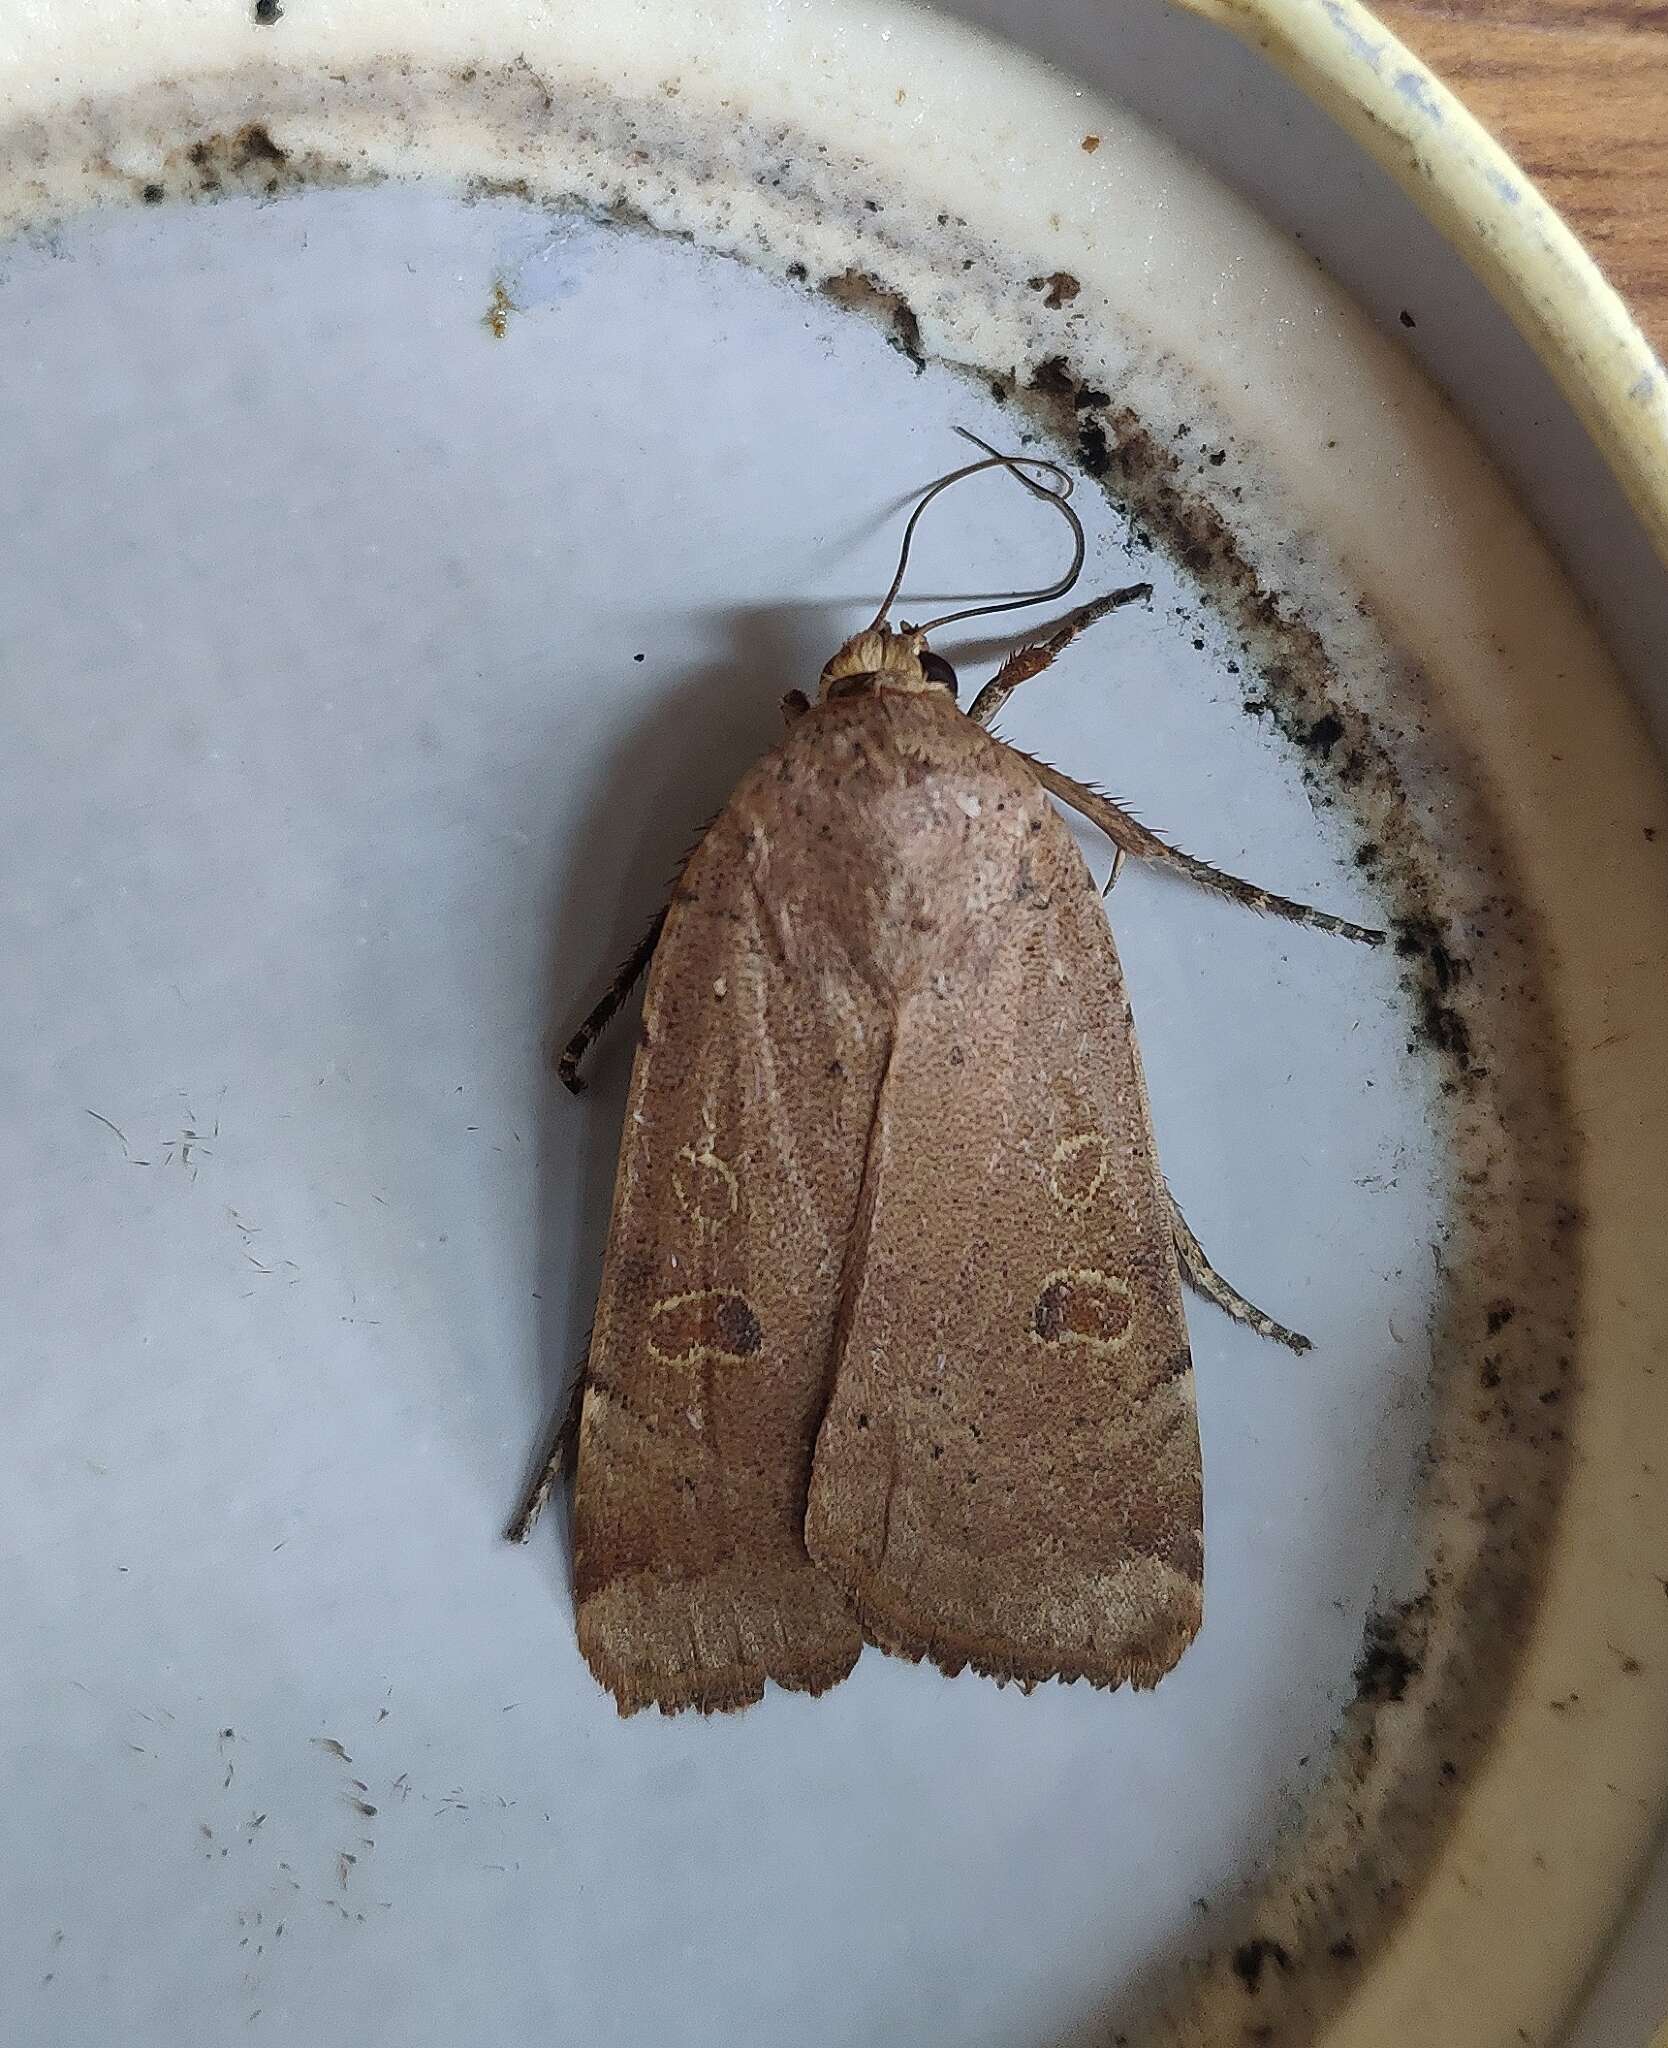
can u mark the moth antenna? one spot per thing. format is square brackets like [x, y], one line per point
[1017, 466]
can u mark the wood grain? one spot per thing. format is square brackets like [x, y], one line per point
[1578, 91]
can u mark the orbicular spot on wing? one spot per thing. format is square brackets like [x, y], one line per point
[1077, 1170]
[1081, 1306]
[711, 1322]
[705, 1186]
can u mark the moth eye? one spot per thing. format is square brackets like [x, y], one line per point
[937, 670]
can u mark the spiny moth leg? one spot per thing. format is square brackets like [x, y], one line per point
[1027, 662]
[1210, 1283]
[612, 1001]
[564, 1452]
[614, 997]
[1134, 837]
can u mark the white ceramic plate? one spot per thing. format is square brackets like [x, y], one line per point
[367, 670]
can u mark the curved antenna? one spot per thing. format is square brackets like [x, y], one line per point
[1016, 465]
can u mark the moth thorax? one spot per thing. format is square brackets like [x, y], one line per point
[876, 659]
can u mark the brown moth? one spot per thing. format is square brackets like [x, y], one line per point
[889, 1346]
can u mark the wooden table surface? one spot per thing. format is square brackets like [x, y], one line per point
[1577, 90]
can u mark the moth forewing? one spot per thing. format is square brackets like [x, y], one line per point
[1007, 1475]
[889, 1342]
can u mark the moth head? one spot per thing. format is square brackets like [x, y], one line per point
[878, 658]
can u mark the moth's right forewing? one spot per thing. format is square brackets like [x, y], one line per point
[1008, 1473]
[712, 1353]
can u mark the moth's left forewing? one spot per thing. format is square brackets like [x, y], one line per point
[1007, 1475]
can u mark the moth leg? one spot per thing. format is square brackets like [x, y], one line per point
[1134, 837]
[1027, 662]
[1210, 1283]
[613, 998]
[564, 1450]
[612, 1001]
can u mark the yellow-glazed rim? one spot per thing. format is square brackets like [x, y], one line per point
[1345, 59]
[1402, 114]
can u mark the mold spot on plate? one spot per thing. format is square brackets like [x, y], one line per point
[246, 160]
[1253, 1957]
[1059, 288]
[1392, 1650]
[860, 293]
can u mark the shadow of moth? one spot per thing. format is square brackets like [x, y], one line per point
[889, 1345]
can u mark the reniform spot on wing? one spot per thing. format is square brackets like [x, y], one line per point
[1083, 1307]
[711, 1322]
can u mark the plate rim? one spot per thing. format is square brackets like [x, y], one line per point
[1356, 69]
